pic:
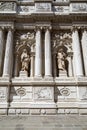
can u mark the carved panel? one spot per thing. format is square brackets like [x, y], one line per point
[43, 6]
[61, 9]
[25, 9]
[3, 94]
[24, 39]
[43, 93]
[62, 39]
[62, 0]
[7, 6]
[21, 93]
[79, 7]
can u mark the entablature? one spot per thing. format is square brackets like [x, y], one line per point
[31, 7]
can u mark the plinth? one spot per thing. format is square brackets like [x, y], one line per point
[23, 74]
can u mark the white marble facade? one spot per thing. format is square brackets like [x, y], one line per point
[43, 57]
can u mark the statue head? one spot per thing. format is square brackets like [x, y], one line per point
[25, 50]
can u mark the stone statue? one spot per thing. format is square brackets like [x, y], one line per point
[61, 59]
[25, 59]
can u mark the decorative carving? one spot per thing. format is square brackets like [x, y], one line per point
[61, 59]
[79, 7]
[59, 8]
[85, 95]
[2, 95]
[65, 92]
[43, 6]
[43, 93]
[25, 60]
[26, 9]
[21, 92]
[7, 6]
[27, 39]
[62, 0]
[62, 39]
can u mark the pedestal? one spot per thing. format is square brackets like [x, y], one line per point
[23, 74]
[62, 73]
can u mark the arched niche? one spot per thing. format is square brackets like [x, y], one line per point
[61, 60]
[18, 63]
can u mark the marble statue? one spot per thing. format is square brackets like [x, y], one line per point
[61, 59]
[25, 59]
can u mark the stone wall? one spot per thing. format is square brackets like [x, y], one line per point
[43, 57]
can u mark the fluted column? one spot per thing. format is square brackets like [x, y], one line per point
[1, 48]
[8, 54]
[38, 54]
[77, 53]
[48, 56]
[84, 49]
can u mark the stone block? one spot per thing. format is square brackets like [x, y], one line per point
[3, 111]
[18, 111]
[83, 111]
[12, 111]
[35, 111]
[50, 111]
[25, 111]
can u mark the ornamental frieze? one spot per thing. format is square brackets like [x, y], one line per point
[7, 6]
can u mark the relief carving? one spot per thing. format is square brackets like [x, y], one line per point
[7, 6]
[25, 59]
[24, 50]
[26, 9]
[43, 93]
[61, 59]
[62, 49]
[79, 7]
[43, 6]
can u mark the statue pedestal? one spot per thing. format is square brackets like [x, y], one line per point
[62, 73]
[23, 74]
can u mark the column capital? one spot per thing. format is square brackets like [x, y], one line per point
[48, 28]
[38, 28]
[75, 28]
[2, 28]
[84, 28]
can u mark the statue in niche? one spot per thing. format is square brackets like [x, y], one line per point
[25, 59]
[61, 59]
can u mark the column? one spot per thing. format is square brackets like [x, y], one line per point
[84, 49]
[8, 54]
[1, 48]
[38, 54]
[77, 53]
[16, 66]
[48, 56]
[32, 62]
[70, 68]
[54, 65]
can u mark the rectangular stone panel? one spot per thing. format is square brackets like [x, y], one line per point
[43, 93]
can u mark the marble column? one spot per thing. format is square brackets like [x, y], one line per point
[38, 54]
[7, 70]
[48, 56]
[16, 69]
[1, 48]
[54, 65]
[70, 68]
[77, 53]
[84, 49]
[32, 62]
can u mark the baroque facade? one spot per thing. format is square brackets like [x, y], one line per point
[43, 57]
